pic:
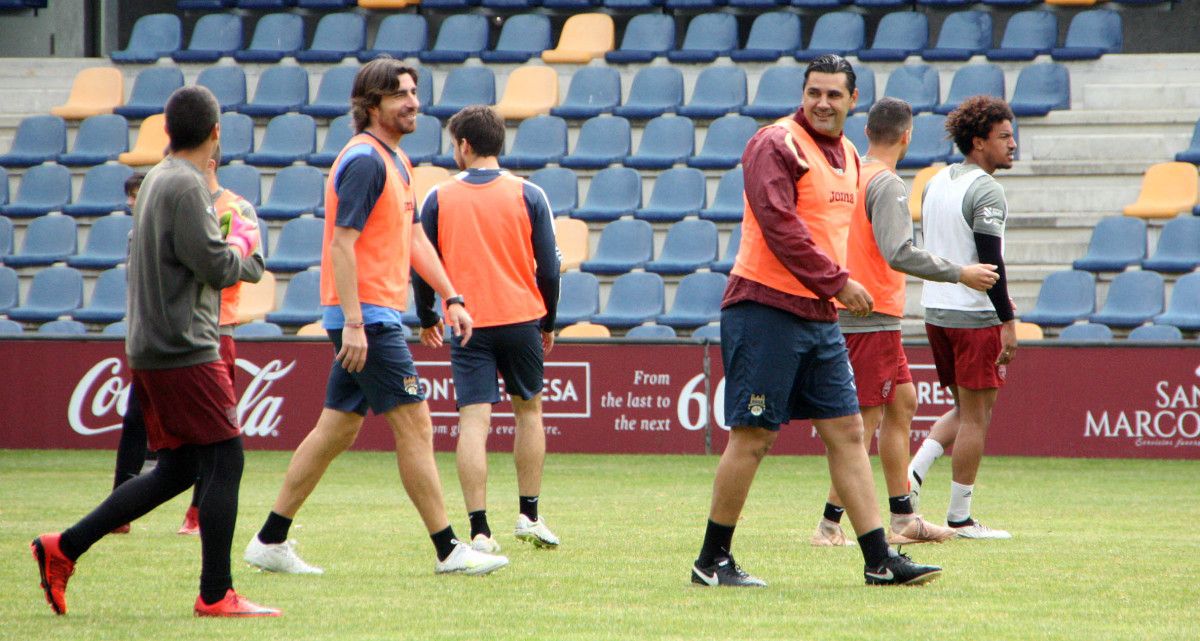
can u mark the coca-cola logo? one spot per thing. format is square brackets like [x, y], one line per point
[101, 397]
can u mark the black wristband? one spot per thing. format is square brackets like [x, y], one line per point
[456, 300]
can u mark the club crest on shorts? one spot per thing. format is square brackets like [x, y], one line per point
[758, 404]
[887, 388]
[410, 385]
[1002, 371]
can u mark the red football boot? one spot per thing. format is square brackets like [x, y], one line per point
[55, 568]
[234, 605]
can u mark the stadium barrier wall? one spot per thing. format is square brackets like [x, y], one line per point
[655, 398]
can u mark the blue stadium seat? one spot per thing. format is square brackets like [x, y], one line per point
[711, 331]
[6, 235]
[634, 299]
[1192, 153]
[215, 35]
[296, 190]
[400, 35]
[561, 187]
[655, 91]
[678, 193]
[1027, 34]
[227, 83]
[1133, 298]
[602, 141]
[647, 36]
[724, 143]
[511, 5]
[4, 193]
[464, 86]
[1178, 248]
[709, 35]
[420, 146]
[697, 301]
[99, 139]
[289, 138]
[150, 91]
[242, 180]
[446, 6]
[10, 327]
[612, 193]
[10, 288]
[1182, 312]
[929, 143]
[916, 84]
[43, 189]
[780, 91]
[1117, 242]
[731, 249]
[114, 329]
[1064, 298]
[840, 32]
[772, 35]
[718, 91]
[1012, 3]
[973, 80]
[266, 4]
[103, 191]
[1086, 333]
[276, 35]
[658, 332]
[280, 89]
[333, 94]
[298, 247]
[107, 243]
[964, 34]
[882, 4]
[1156, 334]
[38, 139]
[522, 37]
[579, 299]
[339, 132]
[1041, 88]
[326, 4]
[666, 140]
[624, 245]
[946, 3]
[338, 36]
[690, 245]
[865, 84]
[461, 36]
[48, 240]
[108, 299]
[900, 35]
[727, 205]
[63, 327]
[1090, 35]
[540, 141]
[257, 329]
[55, 291]
[237, 136]
[301, 300]
[593, 91]
[154, 36]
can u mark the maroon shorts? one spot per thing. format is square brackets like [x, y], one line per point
[967, 357]
[187, 405]
[229, 355]
[880, 366]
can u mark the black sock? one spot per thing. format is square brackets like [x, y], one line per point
[529, 507]
[874, 547]
[833, 512]
[444, 542]
[717, 541]
[275, 530]
[479, 524]
[963, 523]
[900, 504]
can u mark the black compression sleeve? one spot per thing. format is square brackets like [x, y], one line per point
[989, 249]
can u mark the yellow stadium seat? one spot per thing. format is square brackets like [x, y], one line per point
[1168, 189]
[1029, 332]
[312, 329]
[918, 189]
[530, 91]
[386, 4]
[151, 143]
[584, 330]
[585, 36]
[258, 299]
[95, 91]
[572, 236]
[425, 177]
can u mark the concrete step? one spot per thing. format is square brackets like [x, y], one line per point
[1091, 147]
[1113, 95]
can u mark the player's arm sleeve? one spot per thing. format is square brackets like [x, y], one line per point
[197, 239]
[545, 252]
[772, 164]
[359, 183]
[988, 211]
[253, 268]
[887, 208]
[423, 294]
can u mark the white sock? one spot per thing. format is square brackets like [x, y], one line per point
[960, 502]
[929, 452]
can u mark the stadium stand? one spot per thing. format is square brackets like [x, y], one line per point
[154, 36]
[338, 36]
[1117, 242]
[562, 189]
[464, 86]
[1178, 248]
[602, 141]
[1156, 333]
[48, 240]
[55, 291]
[95, 91]
[572, 237]
[725, 264]
[584, 330]
[840, 32]
[301, 301]
[624, 245]
[584, 37]
[727, 206]
[281, 89]
[461, 36]
[289, 138]
[103, 192]
[242, 180]
[1029, 332]
[855, 130]
[612, 193]
[1086, 333]
[778, 93]
[709, 36]
[917, 84]
[150, 144]
[315, 329]
[64, 327]
[299, 246]
[522, 37]
[6, 234]
[900, 35]
[227, 83]
[107, 304]
[258, 299]
[421, 146]
[1065, 297]
[580, 298]
[38, 139]
[711, 332]
[635, 298]
[1191, 154]
[1168, 189]
[114, 329]
[697, 301]
[865, 83]
[690, 245]
[540, 140]
[530, 91]
[666, 141]
[772, 35]
[1027, 35]
[655, 91]
[43, 189]
[333, 94]
[10, 289]
[593, 91]
[972, 80]
[257, 329]
[651, 332]
[1183, 310]
[678, 193]
[215, 36]
[647, 36]
[237, 136]
[424, 178]
[276, 36]
[10, 327]
[151, 88]
[1133, 298]
[724, 142]
[718, 91]
[917, 191]
[107, 243]
[400, 35]
[98, 140]
[929, 144]
[1090, 35]
[296, 190]
[1041, 88]
[963, 34]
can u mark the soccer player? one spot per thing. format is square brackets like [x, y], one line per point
[495, 234]
[783, 354]
[177, 263]
[880, 252]
[973, 335]
[370, 243]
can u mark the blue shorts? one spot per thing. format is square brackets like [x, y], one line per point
[515, 351]
[388, 379]
[779, 367]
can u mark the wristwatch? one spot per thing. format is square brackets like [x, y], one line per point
[456, 300]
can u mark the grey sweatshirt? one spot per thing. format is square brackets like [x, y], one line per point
[178, 263]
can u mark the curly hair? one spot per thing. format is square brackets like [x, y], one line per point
[974, 118]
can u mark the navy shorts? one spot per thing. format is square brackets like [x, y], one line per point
[515, 351]
[388, 379]
[779, 367]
